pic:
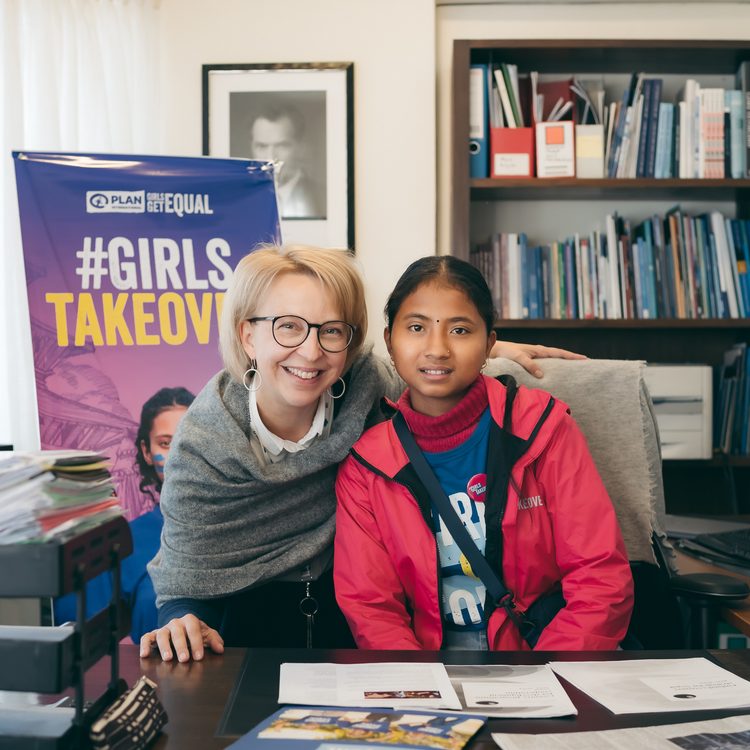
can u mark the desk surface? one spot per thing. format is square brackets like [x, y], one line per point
[194, 694]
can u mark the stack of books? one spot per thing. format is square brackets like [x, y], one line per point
[50, 495]
[673, 266]
[700, 133]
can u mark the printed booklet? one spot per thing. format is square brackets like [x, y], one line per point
[308, 728]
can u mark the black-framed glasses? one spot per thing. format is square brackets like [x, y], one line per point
[291, 330]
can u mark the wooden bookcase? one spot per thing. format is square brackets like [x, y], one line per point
[691, 486]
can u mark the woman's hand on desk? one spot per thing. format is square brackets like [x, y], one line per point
[182, 636]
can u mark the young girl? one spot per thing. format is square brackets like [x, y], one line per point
[523, 483]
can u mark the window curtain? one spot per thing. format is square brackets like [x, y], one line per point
[75, 75]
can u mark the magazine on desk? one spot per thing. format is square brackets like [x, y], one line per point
[309, 728]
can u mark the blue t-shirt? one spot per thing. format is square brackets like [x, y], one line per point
[462, 472]
[135, 583]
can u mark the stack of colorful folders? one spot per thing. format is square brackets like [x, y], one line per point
[49, 495]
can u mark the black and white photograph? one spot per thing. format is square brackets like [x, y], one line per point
[298, 116]
[286, 127]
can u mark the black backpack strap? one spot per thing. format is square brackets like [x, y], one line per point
[504, 451]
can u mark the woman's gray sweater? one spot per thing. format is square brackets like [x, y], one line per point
[230, 522]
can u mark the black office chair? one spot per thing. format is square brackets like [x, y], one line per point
[610, 402]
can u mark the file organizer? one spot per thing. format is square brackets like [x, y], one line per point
[512, 152]
[52, 659]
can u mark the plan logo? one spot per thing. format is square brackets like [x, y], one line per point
[115, 201]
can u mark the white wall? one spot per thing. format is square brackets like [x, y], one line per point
[392, 45]
[571, 21]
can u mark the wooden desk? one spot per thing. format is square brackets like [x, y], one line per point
[194, 694]
[738, 614]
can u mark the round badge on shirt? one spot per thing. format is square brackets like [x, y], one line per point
[477, 487]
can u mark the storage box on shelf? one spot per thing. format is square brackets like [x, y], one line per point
[547, 209]
[52, 659]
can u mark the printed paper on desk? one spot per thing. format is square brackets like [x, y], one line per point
[388, 684]
[655, 685]
[687, 691]
[696, 735]
[510, 691]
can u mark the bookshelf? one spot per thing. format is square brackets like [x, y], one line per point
[534, 206]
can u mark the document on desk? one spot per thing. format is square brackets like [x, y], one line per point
[387, 684]
[297, 728]
[654, 685]
[733, 732]
[510, 691]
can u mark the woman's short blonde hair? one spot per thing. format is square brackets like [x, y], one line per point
[335, 269]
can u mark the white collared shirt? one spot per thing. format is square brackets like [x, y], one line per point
[270, 448]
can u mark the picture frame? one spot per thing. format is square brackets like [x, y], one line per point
[301, 116]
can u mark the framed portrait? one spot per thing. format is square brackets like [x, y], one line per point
[301, 117]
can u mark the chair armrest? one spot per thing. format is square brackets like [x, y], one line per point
[709, 586]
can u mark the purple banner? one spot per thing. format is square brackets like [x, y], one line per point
[127, 261]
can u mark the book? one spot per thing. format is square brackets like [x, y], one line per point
[648, 92]
[613, 266]
[689, 99]
[653, 126]
[510, 76]
[735, 139]
[727, 267]
[664, 142]
[621, 126]
[629, 157]
[742, 243]
[505, 95]
[739, 268]
[743, 85]
[611, 118]
[711, 133]
[515, 311]
[304, 727]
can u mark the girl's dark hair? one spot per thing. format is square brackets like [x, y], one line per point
[163, 399]
[451, 272]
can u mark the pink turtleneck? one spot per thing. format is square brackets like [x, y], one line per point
[449, 430]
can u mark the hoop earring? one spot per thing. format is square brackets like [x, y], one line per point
[483, 366]
[329, 390]
[253, 370]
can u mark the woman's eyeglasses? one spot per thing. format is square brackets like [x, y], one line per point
[291, 330]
